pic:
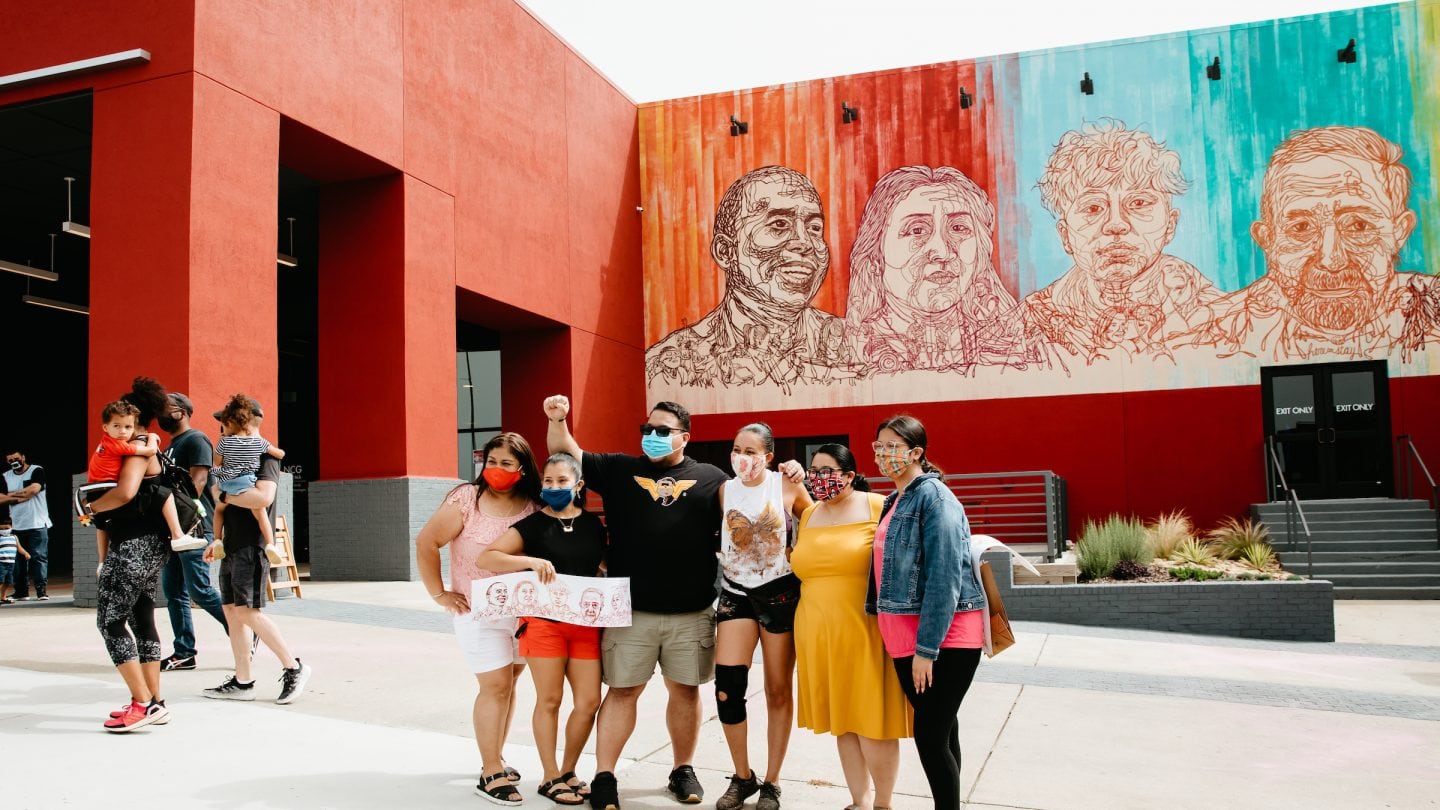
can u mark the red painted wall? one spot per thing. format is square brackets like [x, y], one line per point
[1118, 452]
[510, 168]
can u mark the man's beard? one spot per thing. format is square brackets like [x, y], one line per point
[1331, 312]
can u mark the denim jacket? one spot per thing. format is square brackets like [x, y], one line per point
[926, 568]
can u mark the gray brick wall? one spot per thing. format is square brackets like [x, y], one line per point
[85, 558]
[1297, 611]
[365, 529]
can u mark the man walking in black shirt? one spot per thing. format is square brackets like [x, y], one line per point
[663, 514]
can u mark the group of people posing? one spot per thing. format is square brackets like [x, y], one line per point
[135, 507]
[875, 607]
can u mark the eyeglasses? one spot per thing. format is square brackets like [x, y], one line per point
[663, 431]
[888, 447]
[824, 472]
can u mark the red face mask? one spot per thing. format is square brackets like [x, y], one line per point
[499, 479]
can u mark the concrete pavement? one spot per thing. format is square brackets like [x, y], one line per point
[1071, 717]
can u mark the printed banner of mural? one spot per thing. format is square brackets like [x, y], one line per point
[986, 229]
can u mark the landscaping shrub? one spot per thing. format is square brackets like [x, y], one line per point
[1196, 574]
[1258, 556]
[1167, 532]
[1232, 536]
[1103, 546]
[1125, 569]
[1194, 552]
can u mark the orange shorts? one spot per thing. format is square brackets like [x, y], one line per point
[542, 638]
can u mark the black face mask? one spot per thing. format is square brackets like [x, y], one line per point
[168, 423]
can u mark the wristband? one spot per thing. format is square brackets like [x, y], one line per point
[561, 419]
[438, 595]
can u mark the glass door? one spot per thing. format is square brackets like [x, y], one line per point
[1331, 428]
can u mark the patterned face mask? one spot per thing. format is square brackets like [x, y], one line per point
[825, 487]
[747, 468]
[893, 462]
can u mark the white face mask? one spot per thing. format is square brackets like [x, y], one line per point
[747, 468]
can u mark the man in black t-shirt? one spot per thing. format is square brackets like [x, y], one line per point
[186, 576]
[243, 573]
[663, 514]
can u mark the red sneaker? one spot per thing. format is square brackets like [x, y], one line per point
[136, 716]
[156, 707]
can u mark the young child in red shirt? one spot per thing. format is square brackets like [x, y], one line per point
[117, 421]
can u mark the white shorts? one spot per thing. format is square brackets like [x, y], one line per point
[487, 644]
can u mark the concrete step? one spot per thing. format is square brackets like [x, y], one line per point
[1279, 535]
[1386, 593]
[1383, 580]
[1360, 506]
[1325, 570]
[1343, 521]
[1295, 557]
[1282, 545]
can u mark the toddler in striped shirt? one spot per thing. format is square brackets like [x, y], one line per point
[238, 462]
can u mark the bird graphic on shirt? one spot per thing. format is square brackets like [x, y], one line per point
[756, 542]
[666, 490]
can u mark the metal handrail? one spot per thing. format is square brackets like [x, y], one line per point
[1293, 511]
[1406, 463]
[1050, 486]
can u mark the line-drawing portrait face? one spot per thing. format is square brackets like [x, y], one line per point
[770, 237]
[1110, 189]
[1334, 216]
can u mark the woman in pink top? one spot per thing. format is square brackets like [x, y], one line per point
[472, 517]
[929, 601]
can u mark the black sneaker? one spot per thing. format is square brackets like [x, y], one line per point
[231, 689]
[177, 661]
[739, 790]
[685, 786]
[44, 597]
[292, 682]
[604, 792]
[769, 797]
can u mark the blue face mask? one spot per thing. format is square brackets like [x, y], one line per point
[656, 446]
[557, 498]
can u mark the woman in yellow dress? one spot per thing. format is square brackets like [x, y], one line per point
[846, 683]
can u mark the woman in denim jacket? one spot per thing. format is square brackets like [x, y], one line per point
[929, 601]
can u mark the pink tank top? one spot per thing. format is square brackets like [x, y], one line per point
[967, 629]
[477, 532]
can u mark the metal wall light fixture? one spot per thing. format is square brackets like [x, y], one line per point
[738, 127]
[966, 100]
[1212, 70]
[70, 226]
[134, 56]
[848, 114]
[288, 259]
[1087, 86]
[51, 303]
[1347, 53]
[27, 270]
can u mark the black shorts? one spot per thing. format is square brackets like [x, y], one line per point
[242, 577]
[772, 604]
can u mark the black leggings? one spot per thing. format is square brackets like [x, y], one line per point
[127, 596]
[937, 729]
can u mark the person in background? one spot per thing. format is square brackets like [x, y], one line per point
[30, 519]
[9, 550]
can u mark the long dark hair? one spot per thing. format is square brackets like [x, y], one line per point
[846, 460]
[529, 484]
[913, 432]
[149, 398]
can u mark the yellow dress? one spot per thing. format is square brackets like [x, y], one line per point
[845, 681]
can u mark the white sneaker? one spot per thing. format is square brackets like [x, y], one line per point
[272, 553]
[188, 542]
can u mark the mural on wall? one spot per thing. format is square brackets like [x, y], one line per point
[1334, 216]
[1168, 232]
[1109, 189]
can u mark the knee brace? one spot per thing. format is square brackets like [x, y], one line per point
[730, 685]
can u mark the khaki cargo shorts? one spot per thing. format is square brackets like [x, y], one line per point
[683, 644]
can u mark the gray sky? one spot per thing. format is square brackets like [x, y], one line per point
[662, 49]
